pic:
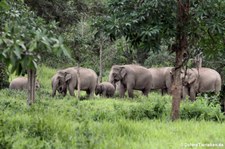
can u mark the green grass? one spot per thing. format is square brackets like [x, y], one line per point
[65, 122]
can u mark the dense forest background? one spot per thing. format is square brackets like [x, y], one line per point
[84, 26]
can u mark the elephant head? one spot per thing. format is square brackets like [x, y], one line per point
[99, 89]
[59, 82]
[117, 74]
[189, 77]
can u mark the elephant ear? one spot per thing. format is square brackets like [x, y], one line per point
[68, 77]
[192, 77]
[123, 72]
[61, 74]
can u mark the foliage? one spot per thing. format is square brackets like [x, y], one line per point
[65, 122]
[98, 123]
[159, 59]
[141, 22]
[202, 109]
[66, 12]
[24, 37]
[149, 25]
[3, 5]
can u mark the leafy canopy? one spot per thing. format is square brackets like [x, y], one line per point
[150, 23]
[24, 37]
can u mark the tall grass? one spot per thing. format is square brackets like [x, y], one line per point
[142, 122]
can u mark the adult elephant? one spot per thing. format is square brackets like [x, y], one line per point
[67, 78]
[161, 78]
[131, 77]
[201, 80]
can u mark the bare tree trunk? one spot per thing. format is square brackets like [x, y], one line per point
[31, 86]
[181, 55]
[78, 80]
[177, 86]
[3, 76]
[100, 63]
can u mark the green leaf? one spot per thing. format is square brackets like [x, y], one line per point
[65, 52]
[4, 5]
[33, 45]
[34, 64]
[17, 52]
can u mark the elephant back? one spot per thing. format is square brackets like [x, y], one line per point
[19, 83]
[89, 78]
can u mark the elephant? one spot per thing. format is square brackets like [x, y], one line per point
[68, 78]
[58, 84]
[21, 83]
[201, 80]
[105, 88]
[161, 78]
[131, 77]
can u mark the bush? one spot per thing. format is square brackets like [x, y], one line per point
[202, 109]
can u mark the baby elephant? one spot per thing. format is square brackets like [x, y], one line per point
[105, 89]
[21, 83]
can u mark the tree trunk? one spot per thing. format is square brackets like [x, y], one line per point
[4, 77]
[31, 86]
[181, 55]
[100, 63]
[78, 80]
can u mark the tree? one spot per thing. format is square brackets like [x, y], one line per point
[181, 48]
[23, 38]
[3, 70]
[65, 12]
[181, 25]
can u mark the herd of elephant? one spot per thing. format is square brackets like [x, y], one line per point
[129, 78]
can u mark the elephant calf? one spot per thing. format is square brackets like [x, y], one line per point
[21, 83]
[105, 89]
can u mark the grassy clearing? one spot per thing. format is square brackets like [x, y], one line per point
[104, 123]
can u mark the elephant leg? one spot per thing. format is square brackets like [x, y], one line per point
[163, 91]
[89, 93]
[130, 91]
[145, 92]
[192, 94]
[122, 91]
[185, 92]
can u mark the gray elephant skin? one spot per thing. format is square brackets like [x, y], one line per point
[201, 80]
[67, 79]
[131, 77]
[105, 89]
[21, 83]
[161, 79]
